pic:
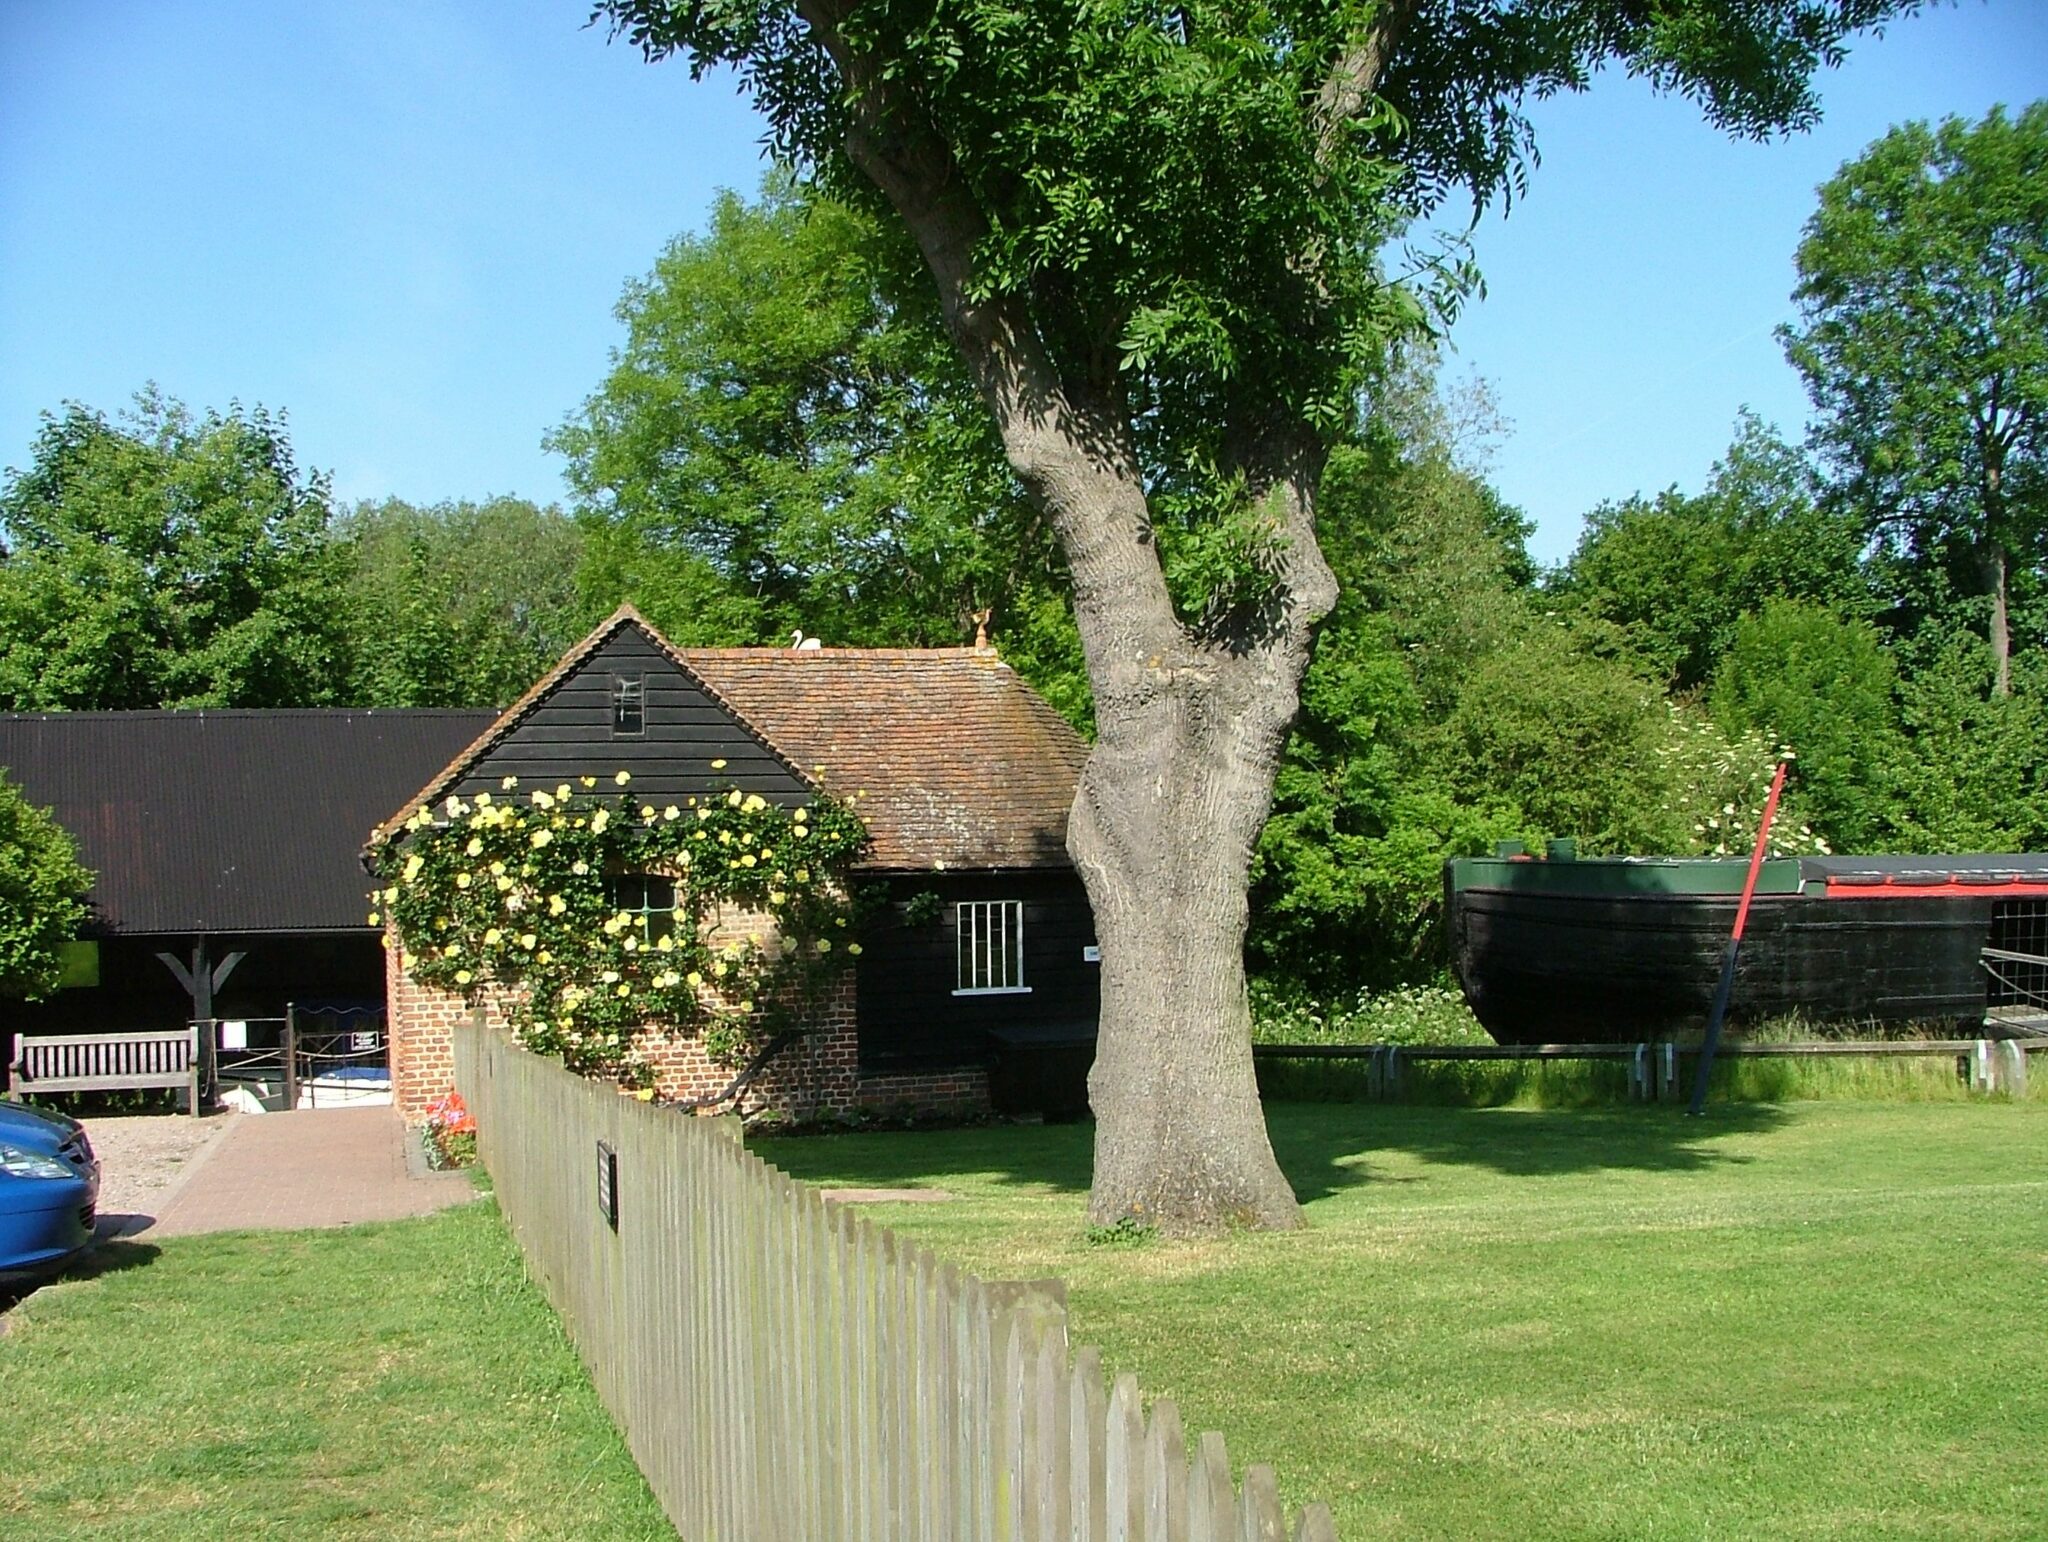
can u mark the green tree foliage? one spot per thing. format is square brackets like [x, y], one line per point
[1923, 337]
[461, 604]
[1674, 575]
[1823, 685]
[42, 895]
[1449, 706]
[785, 442]
[168, 561]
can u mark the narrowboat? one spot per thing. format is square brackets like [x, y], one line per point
[1621, 949]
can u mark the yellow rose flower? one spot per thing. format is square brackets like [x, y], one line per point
[748, 860]
[541, 837]
[824, 944]
[413, 864]
[735, 797]
[801, 815]
[610, 976]
[587, 781]
[491, 936]
[373, 918]
[475, 848]
[853, 948]
[509, 783]
[464, 880]
[542, 800]
[556, 904]
[391, 896]
[754, 803]
[671, 812]
[483, 801]
[562, 792]
[718, 765]
[695, 978]
[623, 777]
[463, 977]
[599, 820]
[527, 940]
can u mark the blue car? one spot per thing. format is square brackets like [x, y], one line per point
[49, 1186]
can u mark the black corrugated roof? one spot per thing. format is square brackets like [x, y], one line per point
[228, 821]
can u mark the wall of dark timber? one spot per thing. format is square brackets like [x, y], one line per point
[907, 1013]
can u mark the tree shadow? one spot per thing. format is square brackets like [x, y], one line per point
[1055, 1156]
[1326, 1147]
[1323, 1148]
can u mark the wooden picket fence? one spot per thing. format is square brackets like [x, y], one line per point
[784, 1368]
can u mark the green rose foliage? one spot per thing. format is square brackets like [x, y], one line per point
[511, 891]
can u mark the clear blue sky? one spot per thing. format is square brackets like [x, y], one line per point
[407, 224]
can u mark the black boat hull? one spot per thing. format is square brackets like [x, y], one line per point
[1562, 967]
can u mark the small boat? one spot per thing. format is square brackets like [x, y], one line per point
[1624, 949]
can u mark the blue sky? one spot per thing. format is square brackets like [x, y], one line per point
[407, 226]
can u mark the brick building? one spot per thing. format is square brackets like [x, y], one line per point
[978, 968]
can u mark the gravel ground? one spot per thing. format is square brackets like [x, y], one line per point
[142, 1155]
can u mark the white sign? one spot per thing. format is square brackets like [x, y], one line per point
[234, 1035]
[1091, 954]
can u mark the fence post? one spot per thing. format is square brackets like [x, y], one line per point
[291, 1055]
[1667, 1070]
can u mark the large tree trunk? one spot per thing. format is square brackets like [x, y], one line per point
[1162, 835]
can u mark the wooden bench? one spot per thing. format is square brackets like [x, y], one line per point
[107, 1062]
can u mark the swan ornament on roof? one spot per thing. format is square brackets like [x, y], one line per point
[798, 640]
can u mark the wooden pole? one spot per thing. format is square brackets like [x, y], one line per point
[291, 1056]
[1727, 986]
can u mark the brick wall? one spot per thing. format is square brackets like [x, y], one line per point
[816, 1078]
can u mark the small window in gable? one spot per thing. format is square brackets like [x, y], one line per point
[649, 900]
[990, 947]
[629, 706]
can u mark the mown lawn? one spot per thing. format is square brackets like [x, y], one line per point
[1814, 1320]
[389, 1381]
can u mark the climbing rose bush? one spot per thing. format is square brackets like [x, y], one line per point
[510, 891]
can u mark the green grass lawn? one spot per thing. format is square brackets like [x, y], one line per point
[389, 1381]
[1813, 1320]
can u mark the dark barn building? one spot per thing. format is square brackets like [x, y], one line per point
[979, 956]
[225, 845]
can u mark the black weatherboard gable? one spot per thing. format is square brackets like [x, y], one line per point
[227, 821]
[569, 731]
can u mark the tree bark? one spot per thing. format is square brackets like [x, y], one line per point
[1996, 580]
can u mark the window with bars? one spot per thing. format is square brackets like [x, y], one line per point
[991, 947]
[651, 901]
[629, 706]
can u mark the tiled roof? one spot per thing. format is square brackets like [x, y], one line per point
[963, 763]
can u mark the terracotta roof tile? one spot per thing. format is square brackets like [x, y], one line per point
[962, 762]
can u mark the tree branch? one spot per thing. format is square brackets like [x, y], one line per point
[1356, 73]
[1076, 458]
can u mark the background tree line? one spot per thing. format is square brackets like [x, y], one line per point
[786, 440]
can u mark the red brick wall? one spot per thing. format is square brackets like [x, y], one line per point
[816, 1078]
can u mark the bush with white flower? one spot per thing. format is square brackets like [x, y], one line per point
[514, 891]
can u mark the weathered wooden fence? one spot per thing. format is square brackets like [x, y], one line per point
[785, 1369]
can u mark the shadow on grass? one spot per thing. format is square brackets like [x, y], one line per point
[101, 1258]
[1319, 1145]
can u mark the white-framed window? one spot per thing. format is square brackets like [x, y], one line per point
[990, 946]
[629, 707]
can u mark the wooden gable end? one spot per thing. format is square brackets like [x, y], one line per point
[572, 731]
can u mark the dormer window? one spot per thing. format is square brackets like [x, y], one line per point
[629, 707]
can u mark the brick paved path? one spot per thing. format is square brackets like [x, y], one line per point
[311, 1167]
